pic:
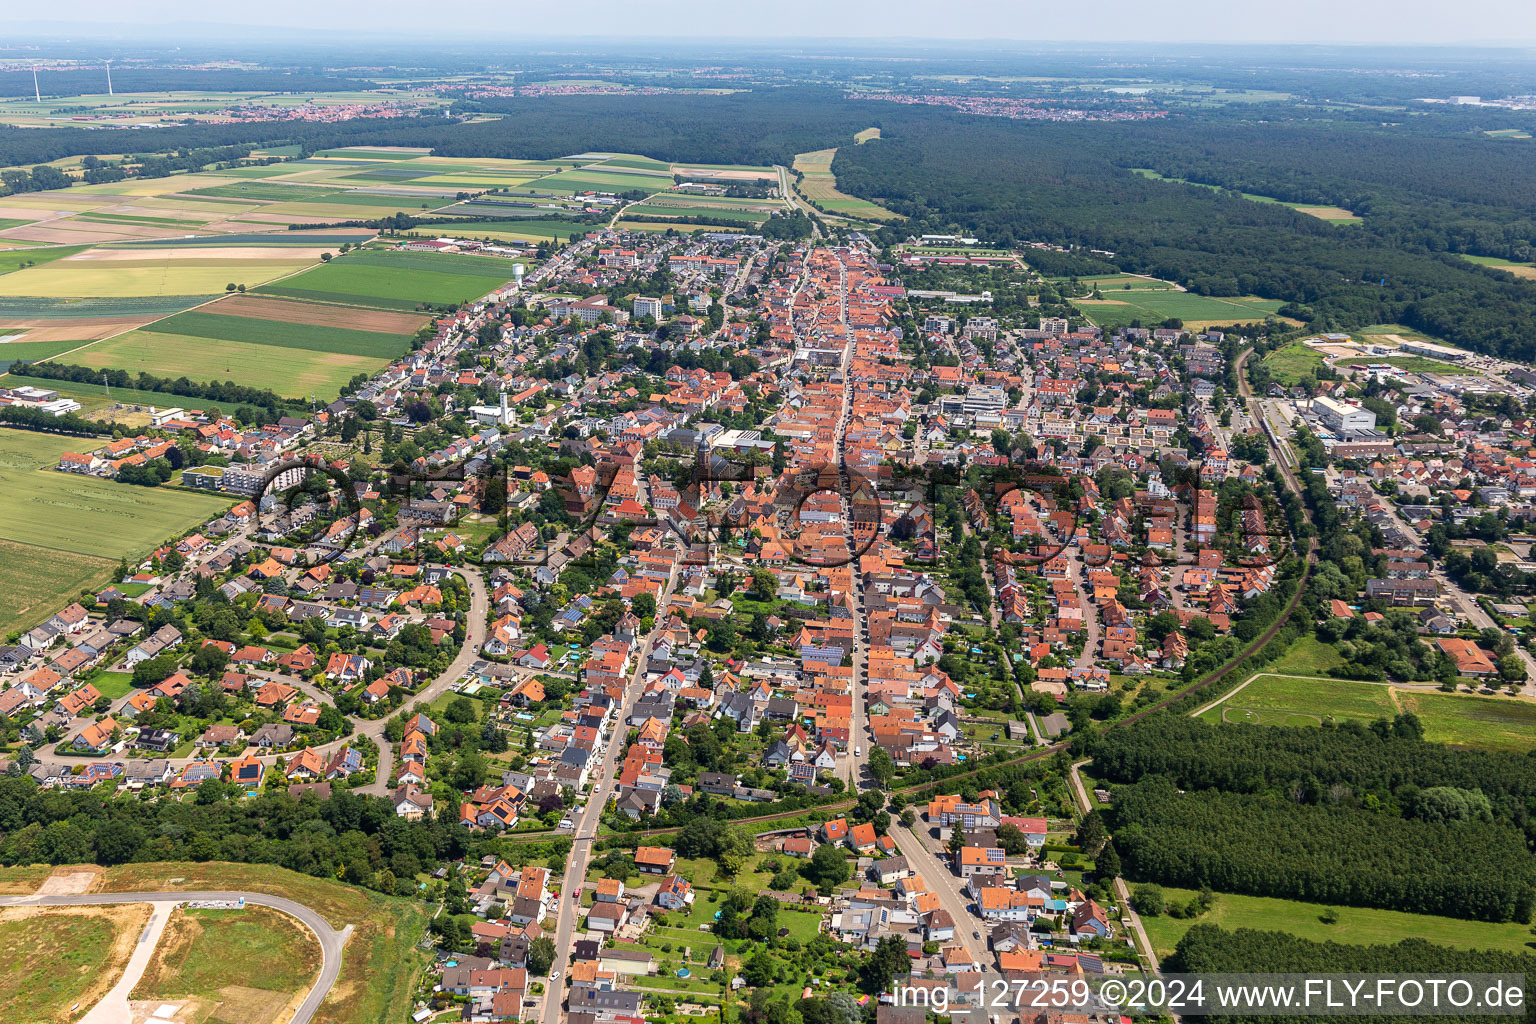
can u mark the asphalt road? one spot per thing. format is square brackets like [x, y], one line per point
[587, 822]
[331, 941]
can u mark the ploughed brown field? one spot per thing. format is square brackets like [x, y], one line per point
[288, 311]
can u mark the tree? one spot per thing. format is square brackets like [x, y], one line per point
[1149, 899]
[459, 711]
[735, 846]
[541, 955]
[827, 868]
[1011, 838]
[209, 660]
[886, 963]
[1107, 865]
[1091, 834]
[882, 768]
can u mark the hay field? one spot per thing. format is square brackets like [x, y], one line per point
[819, 186]
[143, 277]
[60, 532]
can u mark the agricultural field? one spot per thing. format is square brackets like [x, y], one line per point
[60, 532]
[237, 966]
[819, 186]
[1288, 364]
[1525, 270]
[106, 272]
[1333, 214]
[56, 957]
[291, 374]
[535, 228]
[1152, 306]
[1355, 926]
[395, 280]
[1490, 723]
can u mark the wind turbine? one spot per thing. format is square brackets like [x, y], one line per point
[108, 63]
[36, 91]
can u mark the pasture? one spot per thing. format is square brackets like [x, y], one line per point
[1356, 926]
[1333, 214]
[1488, 723]
[150, 277]
[1119, 307]
[312, 337]
[85, 515]
[1525, 270]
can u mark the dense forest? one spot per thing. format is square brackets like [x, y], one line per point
[1207, 949]
[355, 838]
[1384, 766]
[1069, 184]
[92, 80]
[1271, 845]
[1427, 189]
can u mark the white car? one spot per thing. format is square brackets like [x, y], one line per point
[554, 975]
[567, 823]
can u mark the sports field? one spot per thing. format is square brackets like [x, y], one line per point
[1356, 925]
[1151, 307]
[60, 532]
[1490, 723]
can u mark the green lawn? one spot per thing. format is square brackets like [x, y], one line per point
[1120, 307]
[1356, 925]
[1288, 364]
[111, 684]
[1491, 723]
[60, 532]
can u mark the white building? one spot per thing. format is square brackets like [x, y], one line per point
[646, 305]
[1340, 417]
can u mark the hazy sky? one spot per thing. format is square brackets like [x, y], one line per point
[1500, 22]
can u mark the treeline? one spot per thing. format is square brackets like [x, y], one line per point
[354, 838]
[759, 127]
[224, 392]
[24, 146]
[43, 177]
[1069, 185]
[1386, 765]
[90, 81]
[1267, 845]
[1207, 949]
[47, 423]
